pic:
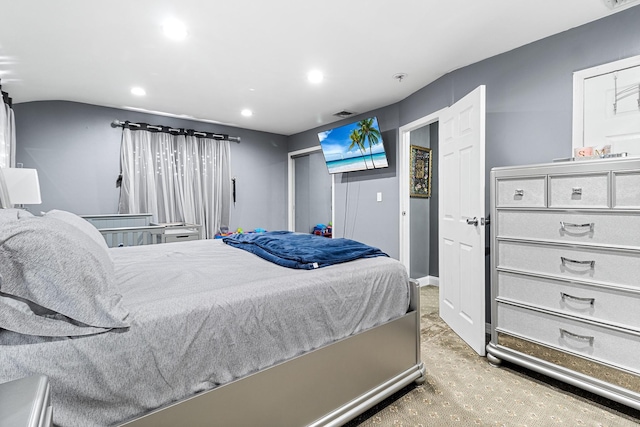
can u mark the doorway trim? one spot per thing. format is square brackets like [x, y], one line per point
[405, 200]
[291, 174]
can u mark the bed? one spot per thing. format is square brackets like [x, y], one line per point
[200, 332]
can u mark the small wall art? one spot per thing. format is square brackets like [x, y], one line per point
[420, 170]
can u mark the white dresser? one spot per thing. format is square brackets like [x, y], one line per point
[566, 273]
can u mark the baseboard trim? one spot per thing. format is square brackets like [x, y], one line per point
[428, 281]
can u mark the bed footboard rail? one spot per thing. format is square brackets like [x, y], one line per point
[325, 387]
[414, 307]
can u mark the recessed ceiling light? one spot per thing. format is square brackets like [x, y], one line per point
[315, 76]
[174, 29]
[138, 91]
[246, 112]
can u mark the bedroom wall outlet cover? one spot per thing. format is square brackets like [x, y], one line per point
[379, 197]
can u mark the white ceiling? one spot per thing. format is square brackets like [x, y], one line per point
[255, 53]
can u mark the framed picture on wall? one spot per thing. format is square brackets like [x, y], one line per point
[420, 170]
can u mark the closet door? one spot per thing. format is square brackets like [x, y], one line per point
[312, 188]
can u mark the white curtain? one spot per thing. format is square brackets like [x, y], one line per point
[176, 178]
[7, 136]
[7, 148]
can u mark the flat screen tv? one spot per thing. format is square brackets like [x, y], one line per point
[353, 147]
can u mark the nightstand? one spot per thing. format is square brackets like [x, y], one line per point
[179, 232]
[26, 403]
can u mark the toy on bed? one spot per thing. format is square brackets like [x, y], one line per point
[224, 232]
[323, 230]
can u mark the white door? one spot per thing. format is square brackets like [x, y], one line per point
[461, 218]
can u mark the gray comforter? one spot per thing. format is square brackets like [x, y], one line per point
[202, 314]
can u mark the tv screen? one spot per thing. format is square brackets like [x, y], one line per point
[353, 147]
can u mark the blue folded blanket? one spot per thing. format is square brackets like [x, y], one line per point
[303, 251]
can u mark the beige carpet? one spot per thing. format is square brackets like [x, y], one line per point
[462, 389]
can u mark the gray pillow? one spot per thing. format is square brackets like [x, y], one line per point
[17, 315]
[80, 223]
[56, 266]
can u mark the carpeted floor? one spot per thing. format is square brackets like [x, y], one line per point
[462, 389]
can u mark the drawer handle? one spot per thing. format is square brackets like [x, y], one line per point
[591, 264]
[563, 225]
[576, 191]
[519, 192]
[564, 332]
[564, 296]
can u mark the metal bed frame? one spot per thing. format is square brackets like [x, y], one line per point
[326, 387]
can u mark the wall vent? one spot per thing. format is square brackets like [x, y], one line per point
[344, 113]
[612, 4]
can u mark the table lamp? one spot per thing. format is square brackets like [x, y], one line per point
[22, 186]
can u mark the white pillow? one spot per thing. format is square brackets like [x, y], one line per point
[80, 223]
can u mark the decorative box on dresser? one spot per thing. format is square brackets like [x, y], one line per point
[566, 273]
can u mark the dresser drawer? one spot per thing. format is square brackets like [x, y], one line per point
[619, 228]
[585, 190]
[603, 344]
[598, 265]
[601, 304]
[169, 238]
[626, 190]
[527, 192]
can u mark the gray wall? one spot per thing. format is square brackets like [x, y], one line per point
[530, 89]
[529, 103]
[358, 215]
[529, 110]
[77, 154]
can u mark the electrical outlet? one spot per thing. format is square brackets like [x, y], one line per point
[379, 197]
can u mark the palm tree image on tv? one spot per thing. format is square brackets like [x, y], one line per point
[369, 133]
[355, 146]
[357, 141]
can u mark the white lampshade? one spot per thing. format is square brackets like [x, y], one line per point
[22, 185]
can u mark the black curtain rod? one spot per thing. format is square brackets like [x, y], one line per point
[7, 99]
[174, 131]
